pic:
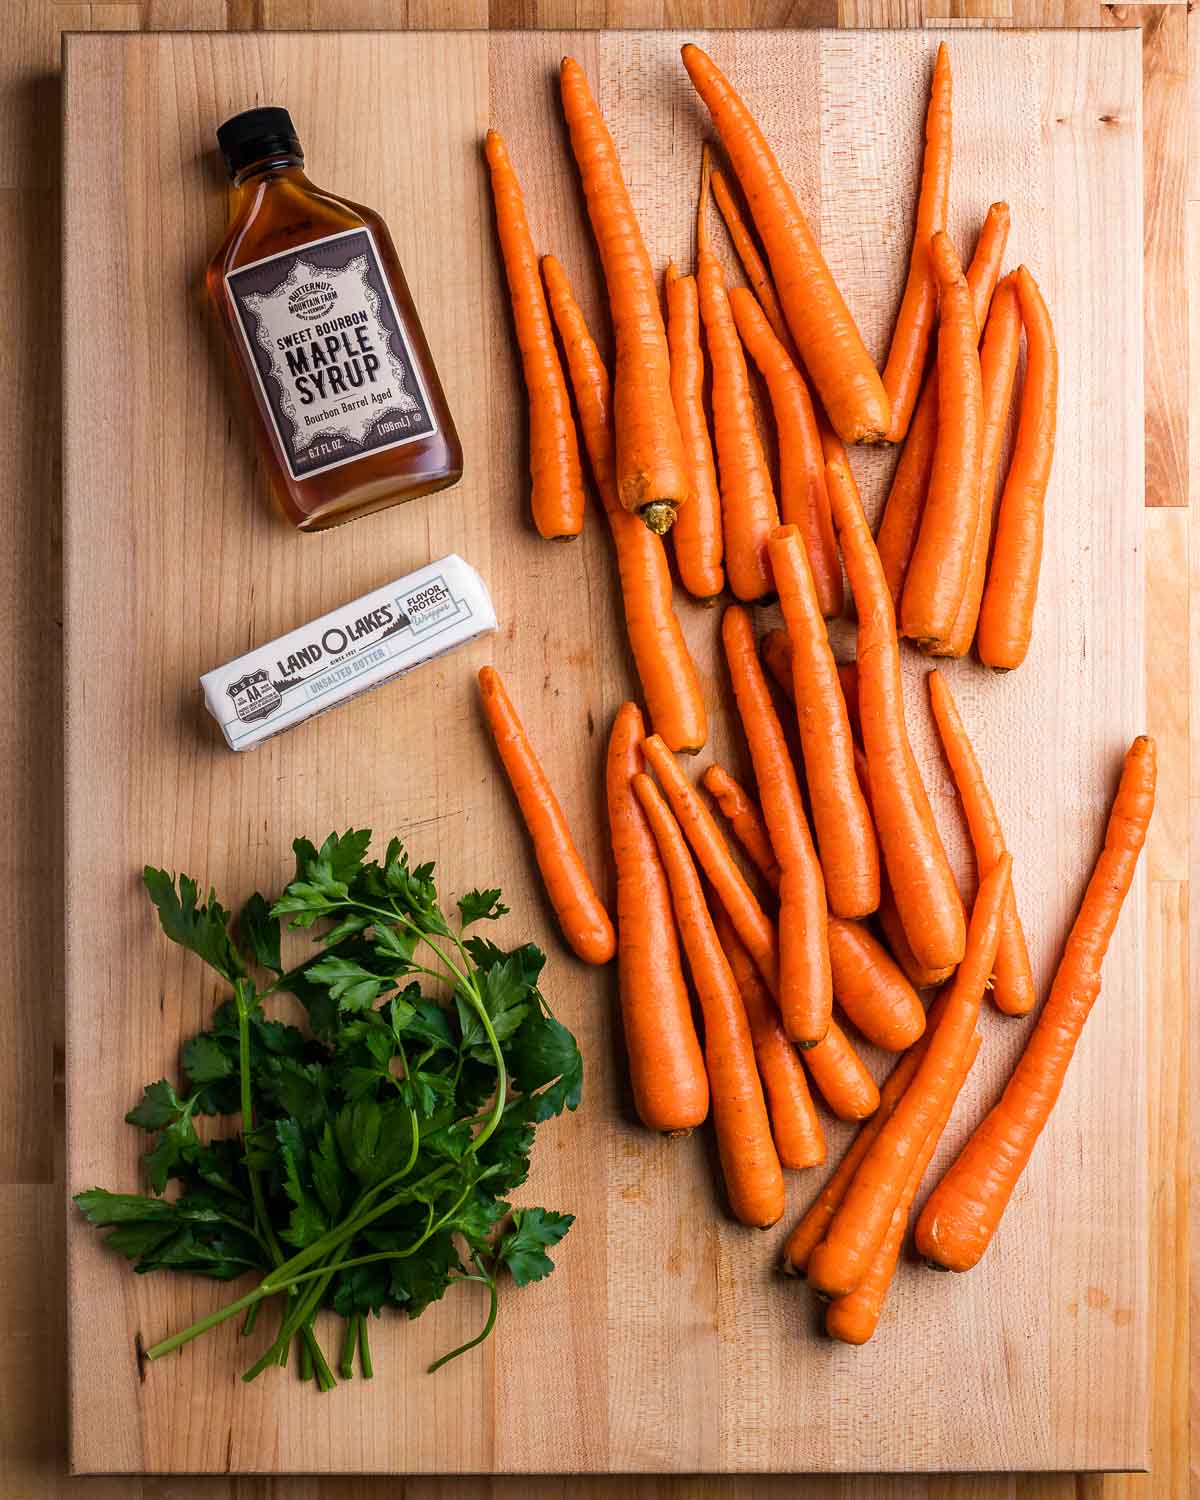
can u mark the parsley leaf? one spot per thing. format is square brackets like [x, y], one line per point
[480, 906]
[523, 1249]
[203, 929]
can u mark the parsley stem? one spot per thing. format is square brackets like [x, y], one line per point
[306, 1359]
[493, 1309]
[364, 1348]
[349, 1347]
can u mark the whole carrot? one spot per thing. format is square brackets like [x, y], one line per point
[580, 913]
[744, 817]
[803, 500]
[1013, 990]
[557, 493]
[905, 368]
[845, 838]
[753, 264]
[804, 990]
[749, 1161]
[670, 682]
[651, 471]
[918, 871]
[871, 989]
[1006, 615]
[906, 497]
[841, 1076]
[858, 1226]
[666, 1065]
[697, 539]
[964, 1210]
[941, 560]
[826, 335]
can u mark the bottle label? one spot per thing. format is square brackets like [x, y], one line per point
[329, 350]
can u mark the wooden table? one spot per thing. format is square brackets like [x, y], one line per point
[32, 1416]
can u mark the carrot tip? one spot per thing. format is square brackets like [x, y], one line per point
[933, 1265]
[659, 516]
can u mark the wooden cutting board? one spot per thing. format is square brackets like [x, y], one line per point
[665, 1341]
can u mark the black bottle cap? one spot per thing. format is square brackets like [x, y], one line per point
[256, 134]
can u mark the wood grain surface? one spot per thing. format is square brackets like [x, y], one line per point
[32, 1358]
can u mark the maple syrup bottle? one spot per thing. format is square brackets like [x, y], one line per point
[347, 405]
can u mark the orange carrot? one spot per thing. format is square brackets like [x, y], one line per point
[803, 500]
[746, 821]
[918, 871]
[841, 1076]
[906, 498]
[804, 990]
[796, 1129]
[776, 651]
[848, 677]
[870, 988]
[964, 1210]
[752, 262]
[845, 838]
[858, 1226]
[748, 510]
[699, 545]
[670, 682]
[749, 1161]
[651, 471]
[905, 368]
[1013, 990]
[826, 336]
[888, 917]
[666, 1065]
[580, 913]
[1006, 616]
[941, 560]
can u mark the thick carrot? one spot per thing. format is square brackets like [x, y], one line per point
[871, 989]
[666, 1065]
[810, 1231]
[752, 262]
[998, 367]
[1006, 615]
[652, 476]
[804, 992]
[670, 682]
[700, 829]
[696, 536]
[744, 817]
[841, 1076]
[964, 1210]
[748, 510]
[906, 497]
[1013, 990]
[918, 871]
[858, 1226]
[580, 912]
[795, 1126]
[776, 648]
[888, 917]
[820, 322]
[853, 1319]
[845, 838]
[937, 572]
[554, 467]
[749, 1161]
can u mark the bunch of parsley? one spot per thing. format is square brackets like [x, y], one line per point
[377, 1147]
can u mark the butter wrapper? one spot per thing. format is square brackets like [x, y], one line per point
[349, 651]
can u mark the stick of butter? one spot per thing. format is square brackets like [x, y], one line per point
[348, 651]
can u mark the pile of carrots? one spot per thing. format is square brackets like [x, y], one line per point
[843, 895]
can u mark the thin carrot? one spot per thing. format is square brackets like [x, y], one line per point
[652, 476]
[871, 989]
[1006, 615]
[795, 1126]
[841, 1076]
[803, 500]
[1013, 991]
[744, 817]
[666, 1065]
[848, 677]
[748, 510]
[998, 367]
[752, 262]
[854, 1318]
[906, 497]
[828, 340]
[696, 536]
[749, 1161]
[555, 470]
[670, 682]
[918, 870]
[937, 572]
[804, 991]
[580, 913]
[905, 368]
[776, 648]
[964, 1210]
[858, 1226]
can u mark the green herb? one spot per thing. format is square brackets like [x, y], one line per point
[377, 1146]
